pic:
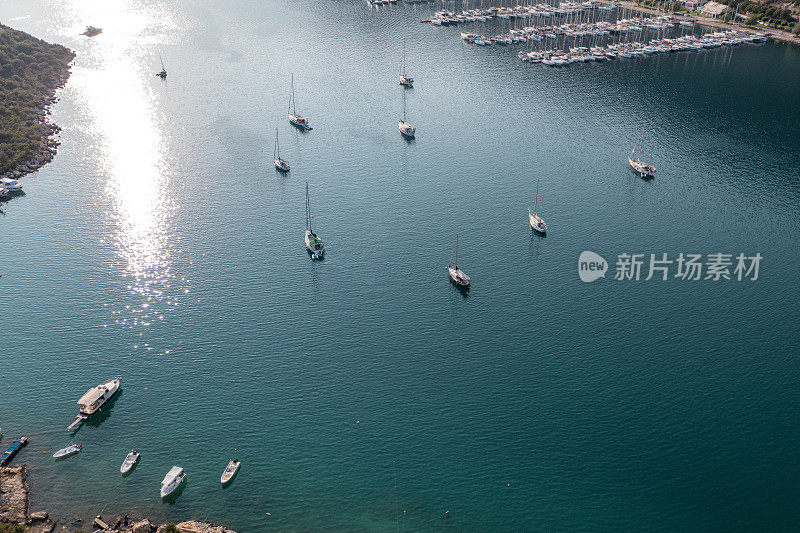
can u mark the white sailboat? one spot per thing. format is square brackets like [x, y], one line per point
[163, 73]
[295, 119]
[314, 244]
[406, 130]
[457, 275]
[279, 162]
[535, 221]
[645, 170]
[405, 80]
[172, 481]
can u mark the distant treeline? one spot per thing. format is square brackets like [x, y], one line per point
[30, 70]
[762, 12]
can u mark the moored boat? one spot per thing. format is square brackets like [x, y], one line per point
[172, 481]
[295, 119]
[535, 221]
[72, 449]
[130, 461]
[645, 170]
[230, 471]
[314, 244]
[11, 185]
[279, 162]
[95, 398]
[457, 275]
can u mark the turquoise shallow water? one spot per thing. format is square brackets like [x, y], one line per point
[161, 246]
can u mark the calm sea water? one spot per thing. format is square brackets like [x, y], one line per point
[364, 392]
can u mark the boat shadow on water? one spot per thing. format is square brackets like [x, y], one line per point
[464, 291]
[644, 177]
[100, 416]
[174, 495]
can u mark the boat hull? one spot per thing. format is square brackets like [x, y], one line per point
[536, 223]
[406, 130]
[281, 165]
[228, 475]
[458, 277]
[111, 388]
[299, 122]
[317, 250]
[643, 169]
[129, 463]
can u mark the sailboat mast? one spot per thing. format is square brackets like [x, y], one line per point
[308, 211]
[456, 251]
[404, 106]
[291, 97]
[536, 202]
[275, 150]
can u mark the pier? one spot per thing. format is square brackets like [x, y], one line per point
[15, 448]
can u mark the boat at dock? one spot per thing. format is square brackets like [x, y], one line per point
[457, 275]
[130, 461]
[314, 244]
[279, 162]
[535, 221]
[13, 450]
[172, 481]
[296, 120]
[72, 449]
[230, 471]
[95, 398]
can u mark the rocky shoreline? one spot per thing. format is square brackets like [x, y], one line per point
[48, 71]
[14, 509]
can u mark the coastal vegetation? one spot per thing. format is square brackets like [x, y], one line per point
[30, 72]
[6, 527]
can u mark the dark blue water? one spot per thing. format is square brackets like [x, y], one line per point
[365, 392]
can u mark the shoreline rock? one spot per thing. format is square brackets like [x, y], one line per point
[14, 509]
[35, 109]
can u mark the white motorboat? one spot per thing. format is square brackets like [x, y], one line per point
[535, 221]
[295, 119]
[314, 244]
[72, 449]
[130, 461]
[172, 481]
[457, 275]
[230, 471]
[11, 185]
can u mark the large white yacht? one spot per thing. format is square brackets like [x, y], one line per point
[172, 481]
[97, 396]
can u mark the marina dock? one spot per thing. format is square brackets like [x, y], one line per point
[12, 451]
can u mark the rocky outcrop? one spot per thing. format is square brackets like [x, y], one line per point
[13, 494]
[202, 527]
[14, 509]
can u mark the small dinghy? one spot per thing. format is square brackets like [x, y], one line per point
[172, 481]
[130, 461]
[230, 471]
[72, 449]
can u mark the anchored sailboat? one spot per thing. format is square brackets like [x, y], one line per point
[279, 162]
[535, 221]
[405, 81]
[314, 244]
[406, 130]
[457, 275]
[645, 170]
[296, 120]
[163, 73]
